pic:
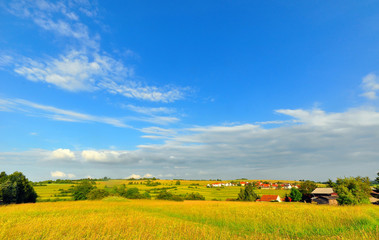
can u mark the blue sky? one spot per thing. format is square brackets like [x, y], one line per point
[196, 90]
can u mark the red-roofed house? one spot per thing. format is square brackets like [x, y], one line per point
[270, 198]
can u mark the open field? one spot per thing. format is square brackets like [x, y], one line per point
[51, 191]
[115, 218]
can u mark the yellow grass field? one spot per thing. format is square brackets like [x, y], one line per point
[116, 218]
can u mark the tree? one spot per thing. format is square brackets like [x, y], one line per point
[82, 189]
[306, 188]
[164, 195]
[330, 183]
[247, 194]
[177, 182]
[377, 179]
[16, 188]
[352, 191]
[295, 195]
[95, 194]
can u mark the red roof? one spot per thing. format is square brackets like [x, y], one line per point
[269, 198]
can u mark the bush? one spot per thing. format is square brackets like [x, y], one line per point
[133, 193]
[82, 189]
[295, 195]
[352, 190]
[194, 196]
[16, 188]
[164, 195]
[97, 194]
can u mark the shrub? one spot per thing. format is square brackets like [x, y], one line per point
[96, 194]
[352, 190]
[82, 189]
[164, 195]
[295, 195]
[194, 196]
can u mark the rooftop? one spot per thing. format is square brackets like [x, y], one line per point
[323, 191]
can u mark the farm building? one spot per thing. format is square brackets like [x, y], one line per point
[270, 198]
[324, 196]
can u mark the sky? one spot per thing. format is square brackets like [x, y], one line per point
[192, 89]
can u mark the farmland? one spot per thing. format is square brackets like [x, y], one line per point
[52, 191]
[117, 218]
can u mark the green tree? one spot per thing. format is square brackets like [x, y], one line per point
[177, 182]
[96, 194]
[16, 188]
[164, 195]
[352, 190]
[377, 179]
[194, 196]
[306, 188]
[295, 195]
[82, 189]
[247, 194]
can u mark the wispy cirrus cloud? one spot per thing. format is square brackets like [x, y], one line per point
[60, 17]
[86, 67]
[149, 110]
[58, 114]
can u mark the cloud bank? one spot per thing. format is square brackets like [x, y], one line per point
[316, 140]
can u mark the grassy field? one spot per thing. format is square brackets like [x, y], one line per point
[115, 218]
[52, 191]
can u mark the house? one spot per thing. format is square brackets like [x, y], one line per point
[270, 198]
[324, 196]
[265, 186]
[216, 184]
[287, 186]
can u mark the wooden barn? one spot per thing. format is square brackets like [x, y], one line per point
[324, 196]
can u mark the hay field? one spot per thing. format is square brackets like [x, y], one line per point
[115, 218]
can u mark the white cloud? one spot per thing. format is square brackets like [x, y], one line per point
[70, 175]
[108, 156]
[370, 86]
[62, 154]
[54, 113]
[135, 176]
[149, 110]
[76, 71]
[90, 71]
[87, 69]
[148, 175]
[318, 145]
[59, 174]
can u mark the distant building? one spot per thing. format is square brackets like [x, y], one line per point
[270, 198]
[324, 196]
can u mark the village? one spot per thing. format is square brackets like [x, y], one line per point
[319, 195]
[259, 185]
